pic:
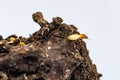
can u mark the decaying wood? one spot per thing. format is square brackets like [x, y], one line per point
[47, 54]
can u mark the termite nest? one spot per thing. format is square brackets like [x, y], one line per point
[55, 52]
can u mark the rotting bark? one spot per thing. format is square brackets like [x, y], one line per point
[46, 55]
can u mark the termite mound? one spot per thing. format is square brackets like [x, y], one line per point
[47, 54]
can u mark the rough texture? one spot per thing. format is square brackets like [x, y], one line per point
[47, 54]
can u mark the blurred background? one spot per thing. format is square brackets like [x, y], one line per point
[100, 19]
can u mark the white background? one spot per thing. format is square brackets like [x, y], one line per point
[99, 18]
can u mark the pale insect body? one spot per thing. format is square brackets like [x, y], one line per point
[73, 37]
[77, 36]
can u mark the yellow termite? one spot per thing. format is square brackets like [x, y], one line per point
[12, 38]
[21, 43]
[77, 36]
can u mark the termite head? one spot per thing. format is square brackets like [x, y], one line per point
[83, 36]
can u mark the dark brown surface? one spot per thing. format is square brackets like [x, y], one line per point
[47, 55]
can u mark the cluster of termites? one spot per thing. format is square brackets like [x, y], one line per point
[12, 40]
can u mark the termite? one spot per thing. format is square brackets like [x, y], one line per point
[77, 36]
[22, 43]
[12, 38]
